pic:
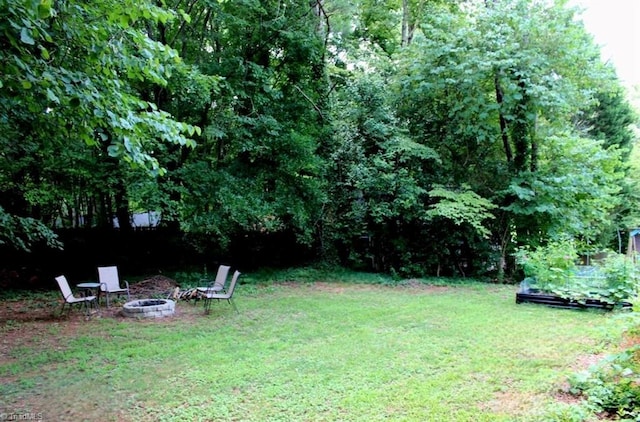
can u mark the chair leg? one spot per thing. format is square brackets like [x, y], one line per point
[233, 303]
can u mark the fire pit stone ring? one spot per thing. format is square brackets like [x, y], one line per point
[149, 308]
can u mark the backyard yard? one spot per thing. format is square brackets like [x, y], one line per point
[305, 351]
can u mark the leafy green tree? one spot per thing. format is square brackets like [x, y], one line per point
[485, 88]
[68, 72]
[562, 199]
[379, 189]
[611, 119]
[408, 135]
[256, 86]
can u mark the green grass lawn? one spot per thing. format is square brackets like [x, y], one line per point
[324, 351]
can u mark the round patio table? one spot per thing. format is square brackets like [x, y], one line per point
[87, 289]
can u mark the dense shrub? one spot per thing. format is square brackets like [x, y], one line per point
[550, 265]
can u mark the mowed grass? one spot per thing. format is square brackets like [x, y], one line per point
[321, 351]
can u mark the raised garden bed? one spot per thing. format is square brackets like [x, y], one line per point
[528, 294]
[559, 302]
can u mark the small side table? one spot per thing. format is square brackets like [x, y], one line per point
[87, 289]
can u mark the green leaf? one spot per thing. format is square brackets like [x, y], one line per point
[26, 37]
[44, 9]
[113, 151]
[185, 16]
[52, 97]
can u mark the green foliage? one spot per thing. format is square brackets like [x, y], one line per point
[379, 24]
[70, 73]
[611, 119]
[413, 137]
[552, 265]
[485, 91]
[59, 71]
[23, 232]
[463, 207]
[257, 96]
[612, 386]
[379, 180]
[552, 269]
[621, 279]
[563, 198]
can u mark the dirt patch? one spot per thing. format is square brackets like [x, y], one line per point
[563, 392]
[47, 308]
[22, 318]
[511, 402]
[27, 314]
[585, 361]
[24, 310]
[330, 287]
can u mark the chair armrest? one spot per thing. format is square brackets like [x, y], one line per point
[126, 283]
[205, 282]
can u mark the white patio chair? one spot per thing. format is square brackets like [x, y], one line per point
[70, 299]
[228, 295]
[216, 286]
[110, 282]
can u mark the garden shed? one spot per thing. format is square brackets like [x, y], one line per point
[634, 243]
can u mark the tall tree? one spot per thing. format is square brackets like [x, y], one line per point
[67, 74]
[486, 89]
[259, 95]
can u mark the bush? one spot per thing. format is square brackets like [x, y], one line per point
[613, 386]
[551, 266]
[620, 277]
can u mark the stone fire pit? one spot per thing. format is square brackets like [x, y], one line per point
[149, 308]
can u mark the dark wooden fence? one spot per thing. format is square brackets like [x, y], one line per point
[144, 252]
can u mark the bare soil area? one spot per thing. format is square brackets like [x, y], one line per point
[39, 308]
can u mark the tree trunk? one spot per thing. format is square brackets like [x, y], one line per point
[534, 148]
[122, 207]
[405, 23]
[503, 123]
[521, 130]
[505, 241]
